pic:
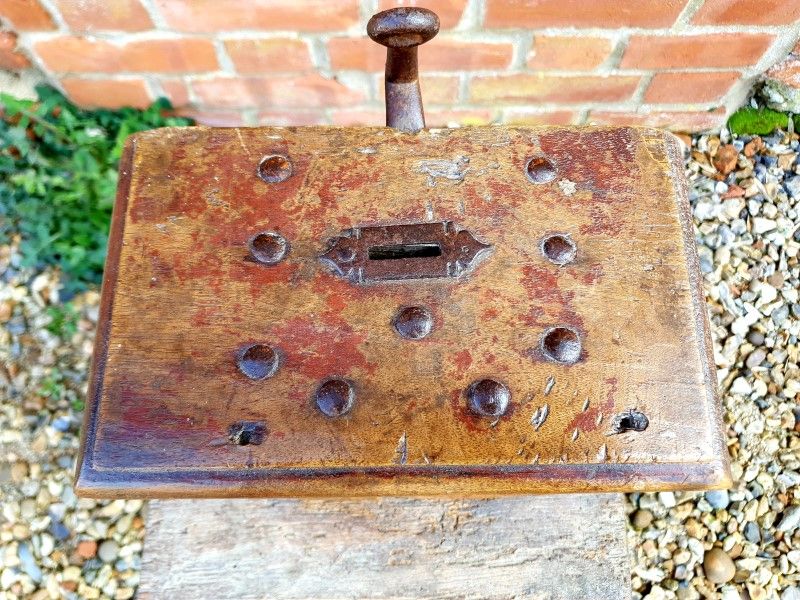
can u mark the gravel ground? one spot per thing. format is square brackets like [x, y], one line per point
[744, 543]
[53, 545]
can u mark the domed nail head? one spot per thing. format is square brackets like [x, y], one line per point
[335, 397]
[488, 398]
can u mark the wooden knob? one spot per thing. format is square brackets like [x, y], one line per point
[403, 27]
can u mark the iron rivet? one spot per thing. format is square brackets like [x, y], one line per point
[335, 397]
[540, 170]
[559, 249]
[488, 398]
[413, 322]
[561, 344]
[258, 361]
[268, 247]
[275, 168]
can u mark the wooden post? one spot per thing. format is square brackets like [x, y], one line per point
[555, 547]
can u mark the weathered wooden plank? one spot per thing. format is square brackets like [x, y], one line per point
[208, 260]
[543, 547]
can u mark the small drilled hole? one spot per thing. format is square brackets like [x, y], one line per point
[559, 249]
[275, 168]
[630, 420]
[268, 247]
[245, 433]
[540, 170]
[258, 361]
[562, 344]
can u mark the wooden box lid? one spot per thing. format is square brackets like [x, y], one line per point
[260, 282]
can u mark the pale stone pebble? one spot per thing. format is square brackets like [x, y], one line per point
[718, 566]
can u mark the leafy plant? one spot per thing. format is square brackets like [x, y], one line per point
[63, 320]
[759, 121]
[58, 176]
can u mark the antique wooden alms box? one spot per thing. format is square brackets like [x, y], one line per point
[322, 311]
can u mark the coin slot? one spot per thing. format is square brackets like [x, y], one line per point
[400, 251]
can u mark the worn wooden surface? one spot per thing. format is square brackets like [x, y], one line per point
[182, 298]
[543, 547]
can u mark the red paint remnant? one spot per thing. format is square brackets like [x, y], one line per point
[602, 223]
[587, 420]
[589, 277]
[321, 347]
[327, 190]
[464, 415]
[606, 173]
[490, 313]
[462, 360]
[541, 286]
[202, 317]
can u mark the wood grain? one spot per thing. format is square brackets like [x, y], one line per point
[182, 298]
[543, 547]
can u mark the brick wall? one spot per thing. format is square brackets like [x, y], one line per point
[678, 63]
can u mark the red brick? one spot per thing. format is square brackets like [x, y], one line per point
[269, 56]
[309, 91]
[104, 15]
[710, 50]
[10, 59]
[535, 14]
[675, 121]
[81, 55]
[452, 55]
[523, 89]
[177, 91]
[569, 53]
[288, 15]
[213, 118]
[433, 118]
[674, 88]
[521, 117]
[107, 93]
[435, 89]
[787, 71]
[26, 15]
[449, 11]
[289, 118]
[359, 54]
[448, 118]
[747, 12]
[439, 55]
[359, 116]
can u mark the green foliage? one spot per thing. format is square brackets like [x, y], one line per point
[58, 176]
[759, 121]
[63, 320]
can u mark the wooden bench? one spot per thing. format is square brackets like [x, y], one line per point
[545, 547]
